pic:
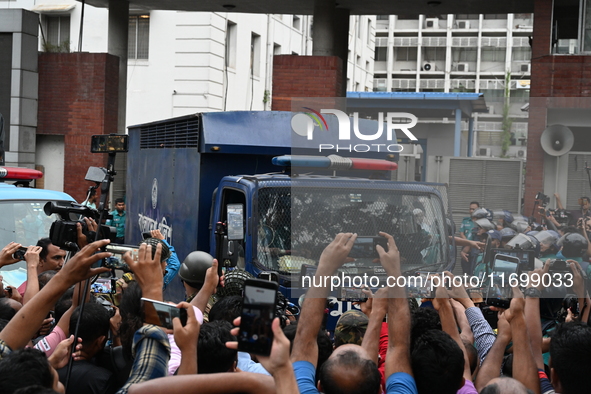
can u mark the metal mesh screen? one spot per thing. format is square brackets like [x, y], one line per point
[175, 134]
[296, 224]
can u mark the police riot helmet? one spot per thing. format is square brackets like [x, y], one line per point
[520, 241]
[546, 237]
[507, 232]
[164, 254]
[519, 225]
[234, 283]
[505, 215]
[195, 267]
[482, 213]
[485, 224]
[573, 245]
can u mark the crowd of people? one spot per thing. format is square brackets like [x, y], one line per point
[55, 338]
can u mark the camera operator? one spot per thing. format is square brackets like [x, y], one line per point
[51, 257]
[584, 211]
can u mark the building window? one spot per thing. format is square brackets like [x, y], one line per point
[231, 44]
[358, 60]
[139, 37]
[57, 33]
[406, 54]
[431, 54]
[381, 54]
[296, 23]
[521, 54]
[368, 31]
[276, 49]
[383, 17]
[467, 16]
[255, 54]
[464, 54]
[493, 54]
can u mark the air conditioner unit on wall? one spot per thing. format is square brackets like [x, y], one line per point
[431, 23]
[463, 25]
[521, 153]
[427, 67]
[463, 67]
[525, 67]
[484, 152]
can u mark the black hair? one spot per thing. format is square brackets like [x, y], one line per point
[118, 200]
[437, 363]
[132, 316]
[350, 363]
[44, 243]
[569, 351]
[3, 323]
[93, 324]
[212, 354]
[227, 308]
[35, 390]
[475, 202]
[45, 276]
[421, 321]
[24, 367]
[63, 304]
[325, 347]
[6, 311]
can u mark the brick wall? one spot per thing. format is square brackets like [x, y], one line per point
[78, 97]
[562, 77]
[305, 76]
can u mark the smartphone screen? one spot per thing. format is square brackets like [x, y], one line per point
[258, 312]
[420, 285]
[161, 314]
[351, 294]
[499, 291]
[101, 286]
[365, 247]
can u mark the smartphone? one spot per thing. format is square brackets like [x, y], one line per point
[420, 286]
[351, 294]
[103, 286]
[258, 312]
[116, 261]
[365, 247]
[20, 253]
[110, 143]
[161, 314]
[499, 292]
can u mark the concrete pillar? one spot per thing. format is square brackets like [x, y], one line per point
[341, 42]
[118, 34]
[324, 28]
[470, 136]
[458, 133]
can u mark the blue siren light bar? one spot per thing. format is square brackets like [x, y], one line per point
[334, 162]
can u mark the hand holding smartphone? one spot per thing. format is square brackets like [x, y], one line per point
[258, 311]
[161, 314]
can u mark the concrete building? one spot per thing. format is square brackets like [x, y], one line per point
[462, 53]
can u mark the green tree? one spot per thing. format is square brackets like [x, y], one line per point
[507, 121]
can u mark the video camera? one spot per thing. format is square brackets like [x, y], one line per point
[543, 199]
[64, 233]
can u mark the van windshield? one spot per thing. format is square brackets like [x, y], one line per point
[296, 224]
[23, 222]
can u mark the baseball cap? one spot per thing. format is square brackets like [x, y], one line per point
[351, 328]
[494, 234]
